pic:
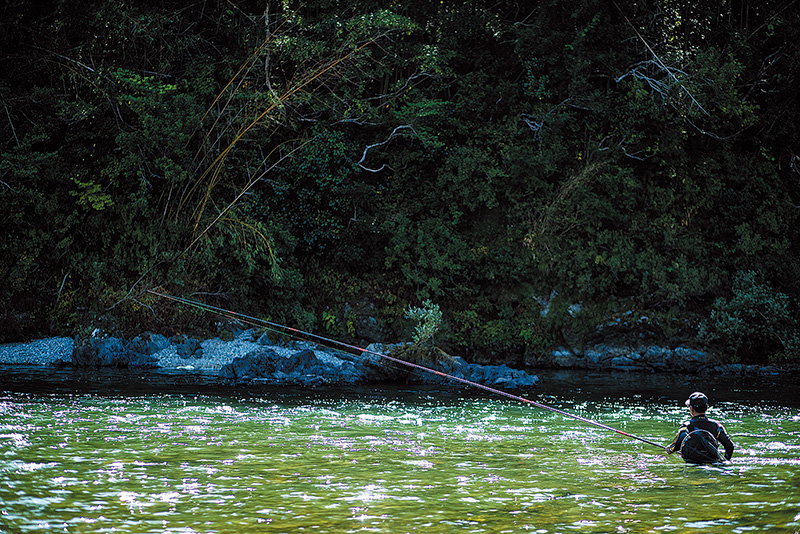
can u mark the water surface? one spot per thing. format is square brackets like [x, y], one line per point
[168, 453]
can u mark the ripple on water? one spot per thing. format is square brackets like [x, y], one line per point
[341, 463]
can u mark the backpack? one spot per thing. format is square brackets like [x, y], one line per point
[700, 447]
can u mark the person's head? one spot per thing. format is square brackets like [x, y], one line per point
[697, 402]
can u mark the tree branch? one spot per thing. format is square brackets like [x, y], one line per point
[391, 136]
[648, 72]
[662, 67]
[11, 123]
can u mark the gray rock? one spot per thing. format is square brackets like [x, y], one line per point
[258, 363]
[109, 351]
[148, 344]
[187, 347]
[693, 357]
[654, 355]
[624, 363]
[350, 374]
[302, 362]
[564, 358]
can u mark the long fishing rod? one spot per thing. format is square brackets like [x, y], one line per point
[287, 330]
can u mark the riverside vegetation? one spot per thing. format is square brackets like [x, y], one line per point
[544, 174]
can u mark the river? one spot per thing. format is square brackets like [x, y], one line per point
[166, 453]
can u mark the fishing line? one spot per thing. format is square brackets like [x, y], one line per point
[287, 330]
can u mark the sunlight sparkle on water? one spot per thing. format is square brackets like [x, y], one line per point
[384, 461]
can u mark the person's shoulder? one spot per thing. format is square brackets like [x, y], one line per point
[716, 423]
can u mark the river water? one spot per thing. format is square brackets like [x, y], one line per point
[151, 452]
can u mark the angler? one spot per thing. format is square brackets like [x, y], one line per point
[698, 439]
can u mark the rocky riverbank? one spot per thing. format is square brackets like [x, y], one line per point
[253, 358]
[651, 359]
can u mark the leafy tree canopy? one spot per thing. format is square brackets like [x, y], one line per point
[498, 160]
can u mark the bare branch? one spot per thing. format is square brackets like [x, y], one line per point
[536, 127]
[661, 78]
[661, 68]
[537, 124]
[391, 136]
[11, 123]
[9, 187]
[61, 288]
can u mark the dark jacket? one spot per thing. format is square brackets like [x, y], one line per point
[704, 423]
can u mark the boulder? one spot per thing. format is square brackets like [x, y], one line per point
[564, 358]
[187, 347]
[687, 360]
[148, 344]
[624, 363]
[109, 351]
[595, 359]
[350, 374]
[301, 363]
[258, 363]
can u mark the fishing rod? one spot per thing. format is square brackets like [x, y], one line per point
[287, 330]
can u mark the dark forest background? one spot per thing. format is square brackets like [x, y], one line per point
[542, 171]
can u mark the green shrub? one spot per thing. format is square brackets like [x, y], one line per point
[754, 324]
[429, 318]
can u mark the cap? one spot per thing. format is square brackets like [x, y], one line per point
[698, 401]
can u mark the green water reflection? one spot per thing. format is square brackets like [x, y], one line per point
[390, 460]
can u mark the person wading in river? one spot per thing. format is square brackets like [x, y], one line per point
[699, 439]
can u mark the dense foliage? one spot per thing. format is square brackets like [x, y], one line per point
[534, 168]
